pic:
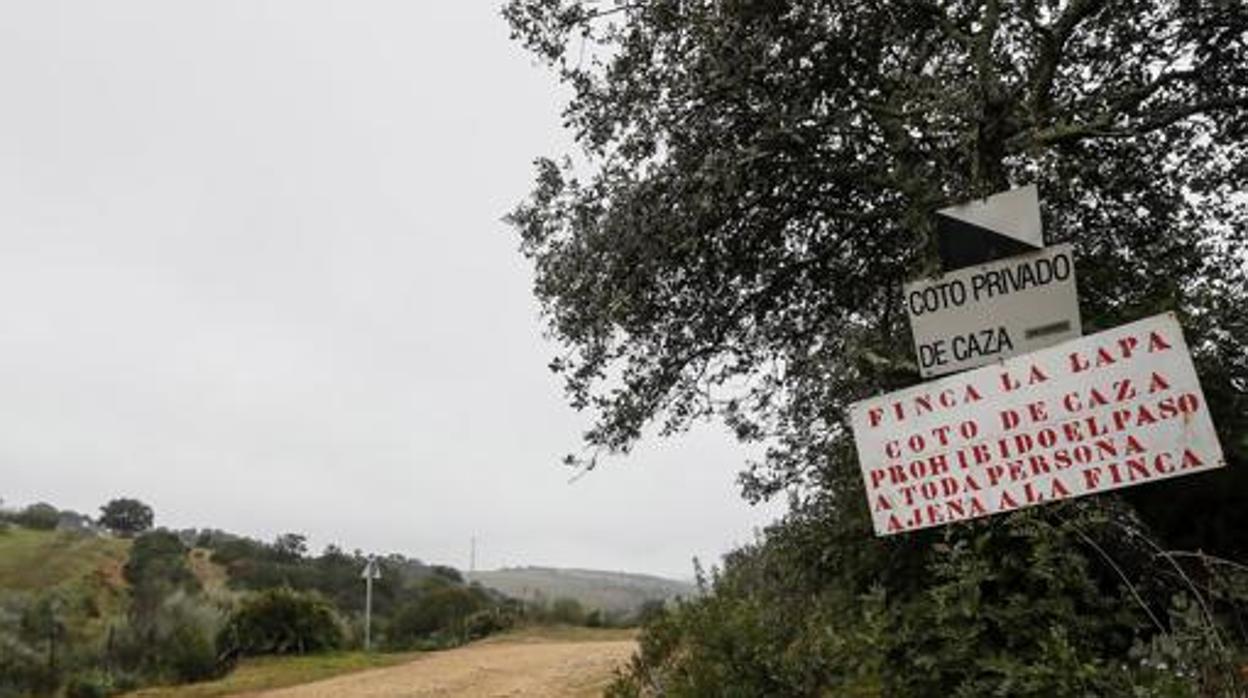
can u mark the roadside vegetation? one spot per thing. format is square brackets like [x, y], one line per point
[265, 673]
[97, 607]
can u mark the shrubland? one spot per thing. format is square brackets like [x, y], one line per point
[87, 614]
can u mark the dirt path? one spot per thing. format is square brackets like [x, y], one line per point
[509, 668]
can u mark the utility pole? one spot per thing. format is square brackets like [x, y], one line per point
[369, 574]
[472, 560]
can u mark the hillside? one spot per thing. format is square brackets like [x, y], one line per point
[160, 621]
[82, 572]
[613, 592]
[33, 560]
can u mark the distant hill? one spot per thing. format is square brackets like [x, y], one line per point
[613, 592]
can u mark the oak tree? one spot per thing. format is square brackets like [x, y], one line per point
[126, 516]
[755, 180]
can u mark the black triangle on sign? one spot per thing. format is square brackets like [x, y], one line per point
[964, 245]
[1002, 225]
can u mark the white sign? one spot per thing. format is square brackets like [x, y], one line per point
[1118, 408]
[979, 315]
[371, 570]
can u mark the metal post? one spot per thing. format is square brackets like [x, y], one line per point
[368, 605]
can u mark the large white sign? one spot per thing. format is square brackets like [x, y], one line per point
[1119, 408]
[979, 315]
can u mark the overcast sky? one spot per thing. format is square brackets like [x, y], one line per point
[252, 272]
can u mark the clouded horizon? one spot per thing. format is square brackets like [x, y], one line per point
[253, 272]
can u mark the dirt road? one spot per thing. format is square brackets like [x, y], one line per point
[573, 669]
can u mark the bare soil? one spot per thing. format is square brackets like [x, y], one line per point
[510, 667]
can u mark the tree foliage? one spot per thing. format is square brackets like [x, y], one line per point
[291, 546]
[284, 621]
[126, 516]
[1016, 610]
[440, 608]
[156, 569]
[758, 178]
[40, 516]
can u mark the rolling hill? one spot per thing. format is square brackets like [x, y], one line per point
[33, 560]
[612, 592]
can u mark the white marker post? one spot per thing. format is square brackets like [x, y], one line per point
[369, 574]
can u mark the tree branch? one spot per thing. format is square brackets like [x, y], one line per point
[948, 26]
[1053, 44]
[1102, 126]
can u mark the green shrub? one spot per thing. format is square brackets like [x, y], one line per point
[489, 621]
[1022, 606]
[91, 684]
[189, 627]
[157, 570]
[176, 642]
[567, 611]
[440, 610]
[41, 516]
[158, 559]
[24, 669]
[191, 655]
[284, 621]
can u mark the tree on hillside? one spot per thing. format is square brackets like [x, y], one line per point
[756, 181]
[126, 517]
[157, 567]
[291, 546]
[40, 516]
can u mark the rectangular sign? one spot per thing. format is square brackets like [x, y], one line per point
[1118, 408]
[979, 315]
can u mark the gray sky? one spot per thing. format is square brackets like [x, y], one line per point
[252, 272]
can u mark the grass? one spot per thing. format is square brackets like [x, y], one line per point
[37, 560]
[82, 571]
[264, 673]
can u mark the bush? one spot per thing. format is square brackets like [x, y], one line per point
[92, 684]
[567, 611]
[188, 629]
[489, 621]
[284, 621]
[191, 655]
[595, 619]
[1019, 609]
[441, 611]
[649, 611]
[156, 570]
[177, 641]
[24, 670]
[41, 516]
